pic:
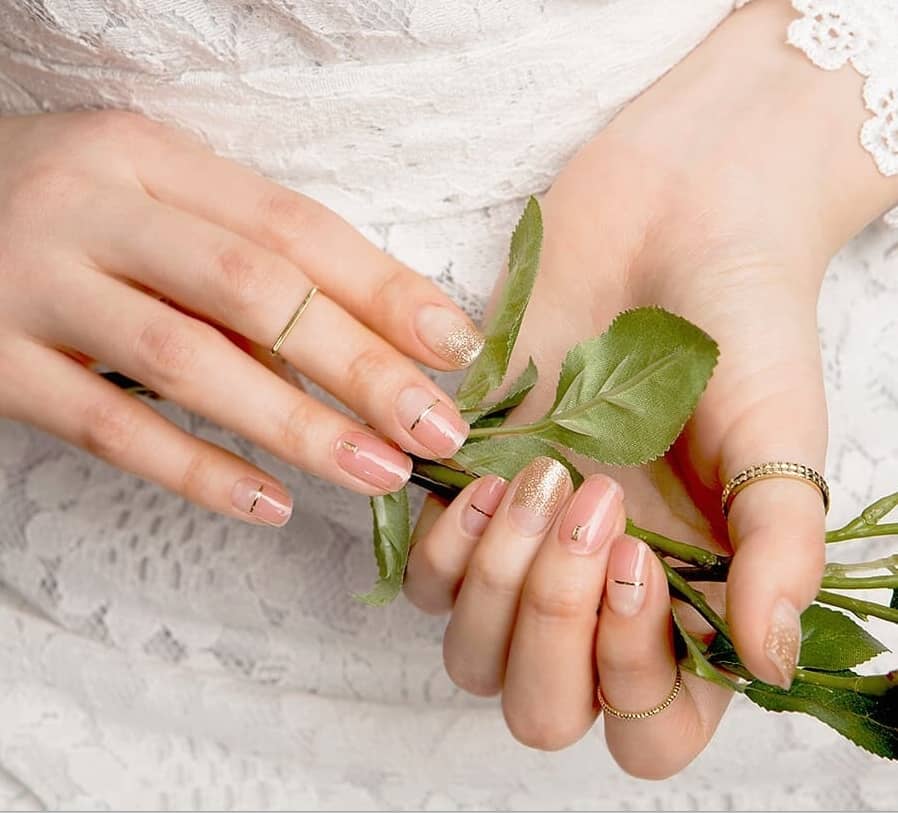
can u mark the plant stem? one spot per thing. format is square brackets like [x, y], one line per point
[862, 583]
[691, 554]
[849, 532]
[522, 429]
[889, 563]
[858, 606]
[696, 598]
[863, 684]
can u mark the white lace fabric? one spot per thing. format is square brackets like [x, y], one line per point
[154, 656]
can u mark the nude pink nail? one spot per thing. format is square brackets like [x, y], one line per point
[262, 501]
[373, 461]
[627, 568]
[592, 515]
[482, 504]
[431, 421]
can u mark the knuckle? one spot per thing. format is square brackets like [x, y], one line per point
[240, 276]
[371, 365]
[492, 579]
[43, 185]
[630, 662]
[470, 679]
[166, 350]
[289, 219]
[108, 430]
[113, 127]
[197, 476]
[295, 429]
[393, 288]
[543, 729]
[558, 601]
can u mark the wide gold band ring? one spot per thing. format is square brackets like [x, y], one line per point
[279, 341]
[766, 471]
[607, 708]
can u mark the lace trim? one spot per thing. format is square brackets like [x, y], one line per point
[864, 33]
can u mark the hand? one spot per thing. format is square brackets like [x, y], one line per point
[103, 214]
[712, 196]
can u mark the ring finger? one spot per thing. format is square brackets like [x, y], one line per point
[236, 283]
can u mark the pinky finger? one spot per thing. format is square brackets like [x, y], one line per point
[637, 671]
[67, 400]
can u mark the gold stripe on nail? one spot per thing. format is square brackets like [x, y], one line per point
[350, 446]
[631, 584]
[423, 414]
[257, 497]
[481, 511]
[575, 534]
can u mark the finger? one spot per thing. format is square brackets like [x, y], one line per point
[409, 311]
[67, 400]
[191, 363]
[440, 554]
[475, 646]
[637, 670]
[769, 405]
[549, 696]
[253, 291]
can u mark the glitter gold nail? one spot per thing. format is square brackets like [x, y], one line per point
[462, 345]
[542, 487]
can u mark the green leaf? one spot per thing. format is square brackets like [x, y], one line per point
[831, 641]
[875, 512]
[894, 602]
[392, 536]
[488, 371]
[507, 455]
[868, 721]
[697, 661]
[624, 396]
[495, 414]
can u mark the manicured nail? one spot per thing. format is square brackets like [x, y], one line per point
[784, 640]
[262, 501]
[591, 516]
[627, 569]
[372, 460]
[450, 334]
[431, 421]
[484, 500]
[538, 495]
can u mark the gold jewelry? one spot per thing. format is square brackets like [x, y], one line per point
[607, 708]
[765, 471]
[279, 342]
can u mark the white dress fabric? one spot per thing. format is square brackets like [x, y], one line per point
[154, 656]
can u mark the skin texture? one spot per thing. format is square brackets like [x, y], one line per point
[715, 196]
[127, 242]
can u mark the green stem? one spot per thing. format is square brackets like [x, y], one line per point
[889, 563]
[858, 606]
[863, 583]
[523, 429]
[696, 598]
[849, 532]
[863, 684]
[690, 554]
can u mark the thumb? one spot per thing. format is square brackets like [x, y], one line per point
[770, 406]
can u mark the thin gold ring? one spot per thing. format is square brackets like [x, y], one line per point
[766, 471]
[607, 708]
[279, 342]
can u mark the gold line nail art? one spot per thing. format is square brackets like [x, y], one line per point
[423, 414]
[350, 446]
[481, 511]
[542, 487]
[256, 498]
[631, 584]
[575, 534]
[462, 345]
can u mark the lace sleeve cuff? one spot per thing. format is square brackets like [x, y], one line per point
[864, 33]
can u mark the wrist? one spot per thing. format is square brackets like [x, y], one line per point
[748, 118]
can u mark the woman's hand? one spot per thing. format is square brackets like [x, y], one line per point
[715, 196]
[126, 242]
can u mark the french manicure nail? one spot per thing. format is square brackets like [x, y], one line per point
[434, 423]
[482, 504]
[450, 334]
[591, 516]
[784, 640]
[262, 501]
[627, 568]
[539, 492]
[373, 461]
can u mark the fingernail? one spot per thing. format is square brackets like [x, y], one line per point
[431, 421]
[542, 486]
[627, 568]
[591, 516]
[373, 461]
[484, 501]
[262, 501]
[450, 334]
[784, 640]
